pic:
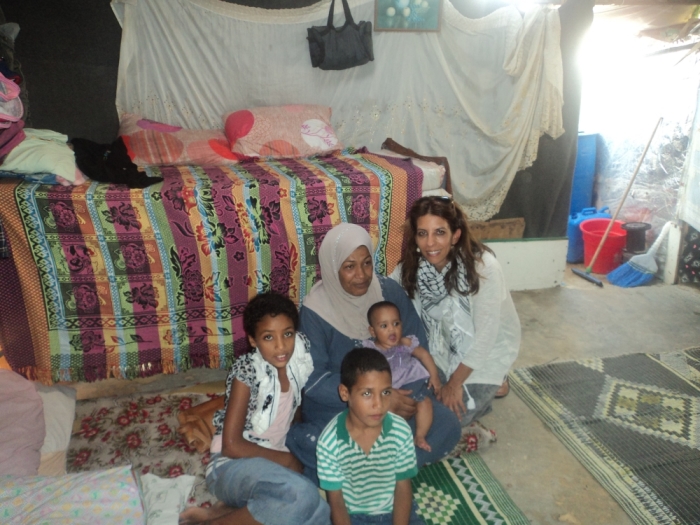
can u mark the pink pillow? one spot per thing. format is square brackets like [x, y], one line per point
[152, 143]
[22, 426]
[281, 131]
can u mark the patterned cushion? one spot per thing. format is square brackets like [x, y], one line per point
[152, 143]
[281, 131]
[97, 497]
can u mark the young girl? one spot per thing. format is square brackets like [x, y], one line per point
[251, 472]
[407, 373]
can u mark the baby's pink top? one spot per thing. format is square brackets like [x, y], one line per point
[276, 433]
[404, 367]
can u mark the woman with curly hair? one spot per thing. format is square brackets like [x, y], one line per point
[458, 289]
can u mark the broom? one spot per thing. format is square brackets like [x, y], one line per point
[640, 269]
[586, 273]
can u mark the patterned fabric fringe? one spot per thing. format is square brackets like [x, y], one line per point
[137, 282]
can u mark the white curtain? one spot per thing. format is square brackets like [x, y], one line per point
[479, 92]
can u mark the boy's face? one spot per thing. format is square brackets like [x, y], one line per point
[274, 338]
[386, 327]
[369, 399]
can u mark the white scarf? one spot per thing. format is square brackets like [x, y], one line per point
[447, 317]
[299, 369]
[344, 312]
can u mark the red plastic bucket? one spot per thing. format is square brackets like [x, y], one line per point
[610, 256]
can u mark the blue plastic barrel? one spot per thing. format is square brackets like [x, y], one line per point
[584, 173]
[574, 254]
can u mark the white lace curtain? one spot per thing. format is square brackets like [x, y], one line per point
[479, 92]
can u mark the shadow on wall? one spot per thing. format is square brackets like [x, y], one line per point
[69, 53]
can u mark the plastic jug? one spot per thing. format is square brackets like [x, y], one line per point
[575, 252]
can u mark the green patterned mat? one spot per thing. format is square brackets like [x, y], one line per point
[633, 421]
[141, 430]
[462, 491]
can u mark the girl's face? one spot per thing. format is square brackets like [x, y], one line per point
[274, 338]
[355, 273]
[386, 327]
[435, 239]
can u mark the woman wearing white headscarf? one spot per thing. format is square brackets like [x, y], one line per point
[334, 318]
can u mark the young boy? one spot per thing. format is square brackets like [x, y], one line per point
[366, 457]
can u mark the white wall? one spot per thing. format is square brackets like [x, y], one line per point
[529, 264]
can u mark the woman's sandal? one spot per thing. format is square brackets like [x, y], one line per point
[474, 436]
[504, 389]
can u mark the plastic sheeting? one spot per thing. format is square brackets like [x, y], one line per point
[480, 92]
[634, 83]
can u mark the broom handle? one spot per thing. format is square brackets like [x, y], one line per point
[659, 239]
[622, 200]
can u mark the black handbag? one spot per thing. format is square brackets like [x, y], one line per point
[343, 48]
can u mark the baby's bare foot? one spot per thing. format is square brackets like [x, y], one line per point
[420, 442]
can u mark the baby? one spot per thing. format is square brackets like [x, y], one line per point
[406, 372]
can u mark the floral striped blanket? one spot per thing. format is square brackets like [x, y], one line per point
[105, 281]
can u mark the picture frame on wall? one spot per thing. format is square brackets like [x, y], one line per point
[407, 15]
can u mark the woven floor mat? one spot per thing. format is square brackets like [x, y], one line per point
[634, 423]
[141, 430]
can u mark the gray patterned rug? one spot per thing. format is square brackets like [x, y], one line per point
[634, 423]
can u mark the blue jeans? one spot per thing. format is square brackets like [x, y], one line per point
[419, 390]
[272, 493]
[366, 519]
[442, 437]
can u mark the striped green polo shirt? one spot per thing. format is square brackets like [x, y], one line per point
[367, 480]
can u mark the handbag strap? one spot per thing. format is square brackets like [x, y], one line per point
[346, 9]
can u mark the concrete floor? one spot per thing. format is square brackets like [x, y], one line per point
[573, 321]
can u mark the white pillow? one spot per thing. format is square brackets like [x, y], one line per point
[436, 193]
[59, 413]
[164, 498]
[432, 173]
[42, 151]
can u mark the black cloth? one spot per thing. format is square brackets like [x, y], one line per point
[689, 264]
[109, 163]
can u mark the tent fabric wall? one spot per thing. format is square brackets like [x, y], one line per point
[480, 91]
[70, 54]
[542, 193]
